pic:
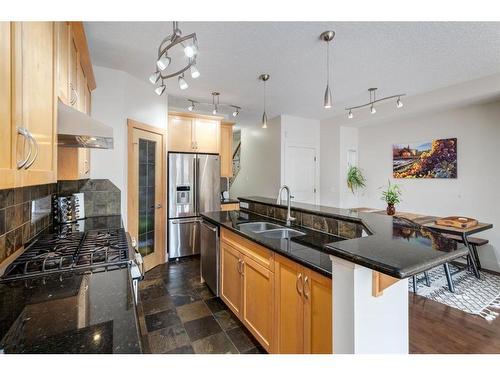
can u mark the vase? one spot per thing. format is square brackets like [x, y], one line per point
[391, 210]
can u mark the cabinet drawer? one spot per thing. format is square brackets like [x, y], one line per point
[260, 254]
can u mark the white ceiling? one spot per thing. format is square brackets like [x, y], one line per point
[393, 56]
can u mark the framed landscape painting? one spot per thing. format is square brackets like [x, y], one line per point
[433, 159]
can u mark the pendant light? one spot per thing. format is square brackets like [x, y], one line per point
[327, 36]
[215, 102]
[264, 78]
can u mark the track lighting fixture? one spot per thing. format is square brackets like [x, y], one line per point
[327, 36]
[216, 107]
[195, 73]
[373, 100]
[189, 43]
[160, 89]
[264, 78]
[153, 78]
[182, 82]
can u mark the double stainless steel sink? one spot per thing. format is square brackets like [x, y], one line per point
[270, 230]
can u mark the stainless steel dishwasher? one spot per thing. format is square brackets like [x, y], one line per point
[210, 255]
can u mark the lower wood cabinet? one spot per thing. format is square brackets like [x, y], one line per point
[247, 285]
[303, 315]
[286, 306]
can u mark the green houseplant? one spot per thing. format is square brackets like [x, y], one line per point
[391, 196]
[355, 178]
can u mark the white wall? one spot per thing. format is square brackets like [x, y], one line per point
[260, 161]
[120, 96]
[339, 148]
[476, 191]
[300, 132]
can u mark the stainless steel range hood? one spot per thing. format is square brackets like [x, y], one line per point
[77, 129]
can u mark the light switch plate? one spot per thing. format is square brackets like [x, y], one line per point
[244, 205]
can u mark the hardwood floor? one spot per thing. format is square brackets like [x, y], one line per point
[437, 328]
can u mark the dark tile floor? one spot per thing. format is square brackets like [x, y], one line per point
[178, 314]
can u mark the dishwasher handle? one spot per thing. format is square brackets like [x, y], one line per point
[209, 226]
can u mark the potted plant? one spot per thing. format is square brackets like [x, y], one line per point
[391, 196]
[355, 178]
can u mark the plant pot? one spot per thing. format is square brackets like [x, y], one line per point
[391, 210]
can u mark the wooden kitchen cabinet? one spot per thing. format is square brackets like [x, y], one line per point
[258, 301]
[34, 99]
[63, 49]
[206, 135]
[193, 133]
[74, 163]
[303, 315]
[247, 285]
[8, 133]
[318, 313]
[230, 277]
[226, 149]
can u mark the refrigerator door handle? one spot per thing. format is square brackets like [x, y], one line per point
[186, 221]
[195, 187]
[197, 180]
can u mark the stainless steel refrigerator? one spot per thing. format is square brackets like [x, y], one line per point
[193, 187]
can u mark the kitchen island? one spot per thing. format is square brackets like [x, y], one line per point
[369, 257]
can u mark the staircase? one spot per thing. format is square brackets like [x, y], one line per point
[236, 163]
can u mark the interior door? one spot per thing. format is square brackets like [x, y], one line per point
[300, 173]
[146, 183]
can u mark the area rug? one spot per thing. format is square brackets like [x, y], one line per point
[474, 296]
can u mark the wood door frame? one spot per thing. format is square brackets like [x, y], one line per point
[131, 219]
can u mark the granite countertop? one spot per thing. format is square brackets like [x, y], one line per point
[305, 250]
[393, 246]
[73, 312]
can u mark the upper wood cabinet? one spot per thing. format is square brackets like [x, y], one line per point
[8, 133]
[303, 317]
[74, 163]
[34, 100]
[63, 40]
[226, 149]
[193, 133]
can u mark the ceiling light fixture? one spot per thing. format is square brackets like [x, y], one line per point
[215, 102]
[373, 100]
[327, 36]
[215, 106]
[264, 78]
[191, 106]
[182, 82]
[189, 43]
[160, 89]
[195, 73]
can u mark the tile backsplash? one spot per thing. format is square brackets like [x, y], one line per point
[101, 196]
[16, 226]
[326, 224]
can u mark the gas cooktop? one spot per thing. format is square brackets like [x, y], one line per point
[71, 250]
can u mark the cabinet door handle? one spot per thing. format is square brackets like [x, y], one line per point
[238, 267]
[87, 168]
[306, 287]
[35, 144]
[242, 265]
[24, 133]
[299, 282]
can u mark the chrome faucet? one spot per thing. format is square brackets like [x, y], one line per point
[289, 197]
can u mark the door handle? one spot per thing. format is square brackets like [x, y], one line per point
[35, 143]
[306, 283]
[158, 205]
[299, 281]
[24, 133]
